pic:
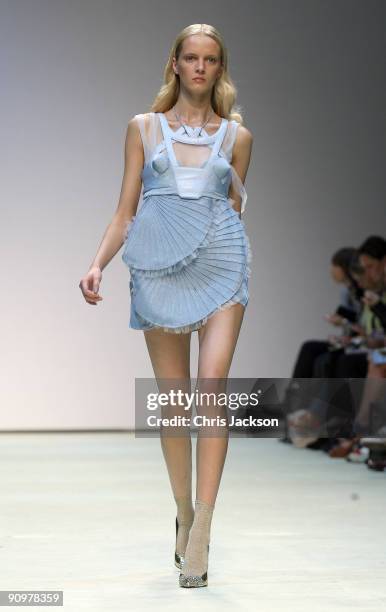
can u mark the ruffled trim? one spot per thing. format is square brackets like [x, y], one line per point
[128, 227]
[185, 329]
[249, 255]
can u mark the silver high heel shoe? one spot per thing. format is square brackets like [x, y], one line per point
[178, 559]
[194, 581]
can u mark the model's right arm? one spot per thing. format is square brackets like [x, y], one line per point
[113, 237]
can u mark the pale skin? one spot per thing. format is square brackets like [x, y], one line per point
[170, 353]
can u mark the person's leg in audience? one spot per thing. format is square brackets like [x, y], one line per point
[307, 354]
[325, 364]
[353, 365]
[348, 366]
[299, 415]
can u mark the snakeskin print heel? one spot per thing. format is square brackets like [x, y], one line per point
[178, 559]
[194, 581]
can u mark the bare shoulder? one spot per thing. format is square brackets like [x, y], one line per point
[133, 136]
[141, 119]
[132, 126]
[244, 136]
[242, 148]
[144, 116]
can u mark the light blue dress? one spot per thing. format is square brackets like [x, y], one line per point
[186, 248]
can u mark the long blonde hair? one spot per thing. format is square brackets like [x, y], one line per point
[224, 91]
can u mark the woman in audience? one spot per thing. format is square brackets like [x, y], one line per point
[350, 305]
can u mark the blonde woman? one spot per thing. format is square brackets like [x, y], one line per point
[188, 256]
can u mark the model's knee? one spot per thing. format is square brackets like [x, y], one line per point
[214, 375]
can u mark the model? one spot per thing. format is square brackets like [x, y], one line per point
[188, 256]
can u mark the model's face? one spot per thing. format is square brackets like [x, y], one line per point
[200, 57]
[373, 270]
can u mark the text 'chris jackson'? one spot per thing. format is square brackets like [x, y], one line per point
[203, 421]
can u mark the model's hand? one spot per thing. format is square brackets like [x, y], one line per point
[89, 285]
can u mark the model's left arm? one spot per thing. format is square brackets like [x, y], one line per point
[241, 157]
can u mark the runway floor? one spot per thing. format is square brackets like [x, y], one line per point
[92, 514]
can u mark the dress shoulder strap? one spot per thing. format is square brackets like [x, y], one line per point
[229, 139]
[220, 135]
[150, 133]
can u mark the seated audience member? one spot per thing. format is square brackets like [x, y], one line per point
[347, 312]
[375, 385]
[350, 303]
[351, 362]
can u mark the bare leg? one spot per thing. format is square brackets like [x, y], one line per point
[170, 357]
[217, 342]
